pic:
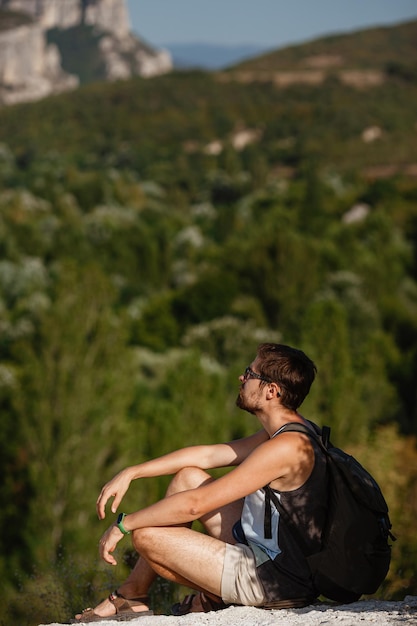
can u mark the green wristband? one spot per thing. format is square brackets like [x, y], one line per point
[119, 524]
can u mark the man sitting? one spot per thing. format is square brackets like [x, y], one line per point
[248, 555]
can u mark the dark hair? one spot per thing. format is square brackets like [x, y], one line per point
[288, 367]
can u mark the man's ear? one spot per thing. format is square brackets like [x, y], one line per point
[273, 391]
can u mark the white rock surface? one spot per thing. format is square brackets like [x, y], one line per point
[30, 68]
[111, 15]
[364, 612]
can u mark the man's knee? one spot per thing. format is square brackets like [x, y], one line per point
[188, 478]
[153, 542]
[144, 538]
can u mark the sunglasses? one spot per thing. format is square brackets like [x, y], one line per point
[249, 373]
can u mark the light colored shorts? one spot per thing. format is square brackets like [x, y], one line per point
[240, 582]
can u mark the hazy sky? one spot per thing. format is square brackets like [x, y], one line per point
[271, 23]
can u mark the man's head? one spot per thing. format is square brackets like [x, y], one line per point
[289, 368]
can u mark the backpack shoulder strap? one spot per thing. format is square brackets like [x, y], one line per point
[321, 436]
[325, 436]
[271, 496]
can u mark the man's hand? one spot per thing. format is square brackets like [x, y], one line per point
[116, 488]
[108, 544]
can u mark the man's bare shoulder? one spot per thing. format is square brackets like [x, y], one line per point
[294, 460]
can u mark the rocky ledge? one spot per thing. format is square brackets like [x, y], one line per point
[364, 612]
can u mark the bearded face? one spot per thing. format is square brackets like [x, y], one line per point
[249, 396]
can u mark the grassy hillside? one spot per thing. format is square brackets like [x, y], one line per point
[375, 48]
[140, 121]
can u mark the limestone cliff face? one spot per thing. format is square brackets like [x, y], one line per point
[108, 15]
[31, 67]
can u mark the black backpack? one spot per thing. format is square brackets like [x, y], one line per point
[355, 554]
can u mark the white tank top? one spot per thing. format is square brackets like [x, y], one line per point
[253, 519]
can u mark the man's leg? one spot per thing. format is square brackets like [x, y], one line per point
[183, 556]
[166, 551]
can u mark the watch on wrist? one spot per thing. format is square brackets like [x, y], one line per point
[120, 525]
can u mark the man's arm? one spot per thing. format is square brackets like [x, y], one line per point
[205, 457]
[269, 461]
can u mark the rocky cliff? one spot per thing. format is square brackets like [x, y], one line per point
[48, 46]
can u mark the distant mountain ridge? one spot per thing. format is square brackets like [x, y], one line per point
[373, 48]
[211, 56]
[362, 58]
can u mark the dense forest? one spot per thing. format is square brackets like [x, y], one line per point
[152, 234]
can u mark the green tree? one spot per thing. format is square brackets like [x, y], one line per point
[353, 391]
[325, 338]
[75, 389]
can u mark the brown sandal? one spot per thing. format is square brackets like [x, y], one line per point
[207, 603]
[291, 603]
[123, 608]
